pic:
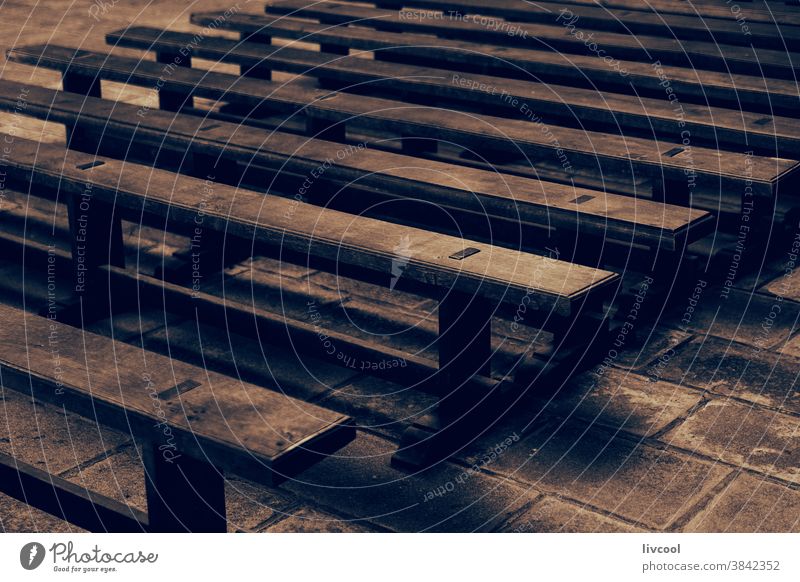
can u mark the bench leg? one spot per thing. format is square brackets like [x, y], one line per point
[672, 192]
[210, 250]
[82, 84]
[205, 261]
[170, 99]
[415, 146]
[96, 240]
[256, 71]
[82, 138]
[183, 494]
[465, 329]
[584, 249]
[335, 49]
[463, 409]
[77, 138]
[324, 129]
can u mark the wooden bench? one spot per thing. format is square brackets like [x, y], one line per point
[220, 424]
[331, 115]
[722, 28]
[555, 35]
[765, 95]
[469, 279]
[194, 425]
[638, 116]
[607, 153]
[543, 206]
[690, 96]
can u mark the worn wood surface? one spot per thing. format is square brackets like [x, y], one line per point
[238, 427]
[612, 153]
[615, 113]
[757, 11]
[581, 494]
[637, 19]
[495, 272]
[711, 87]
[479, 132]
[546, 204]
[553, 36]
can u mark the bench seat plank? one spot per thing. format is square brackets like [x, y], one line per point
[742, 129]
[547, 204]
[235, 426]
[553, 36]
[500, 274]
[751, 92]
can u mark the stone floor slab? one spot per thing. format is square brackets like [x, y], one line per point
[734, 369]
[750, 504]
[551, 515]
[643, 484]
[743, 435]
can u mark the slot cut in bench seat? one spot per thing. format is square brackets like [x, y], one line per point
[194, 424]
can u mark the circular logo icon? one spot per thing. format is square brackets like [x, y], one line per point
[31, 555]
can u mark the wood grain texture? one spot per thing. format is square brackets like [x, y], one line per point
[747, 92]
[233, 425]
[766, 11]
[481, 191]
[622, 113]
[637, 19]
[612, 153]
[502, 274]
[551, 36]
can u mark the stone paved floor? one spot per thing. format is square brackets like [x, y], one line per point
[694, 428]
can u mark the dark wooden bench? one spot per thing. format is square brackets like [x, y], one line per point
[766, 95]
[194, 425]
[469, 279]
[543, 206]
[555, 35]
[709, 126]
[321, 109]
[722, 28]
[718, 97]
[607, 153]
[221, 424]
